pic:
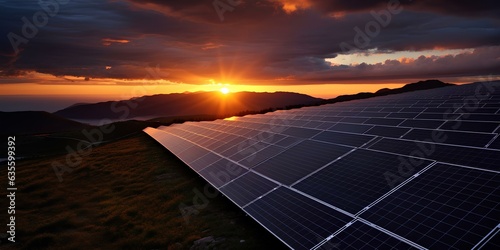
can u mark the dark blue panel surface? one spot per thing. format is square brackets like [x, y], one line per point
[361, 236]
[247, 188]
[359, 178]
[297, 220]
[450, 137]
[300, 160]
[474, 157]
[354, 140]
[446, 207]
[222, 172]
[487, 127]
[386, 131]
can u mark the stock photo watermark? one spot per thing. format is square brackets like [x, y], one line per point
[222, 6]
[11, 188]
[372, 28]
[427, 147]
[31, 26]
[248, 150]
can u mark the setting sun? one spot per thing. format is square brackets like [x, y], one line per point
[224, 91]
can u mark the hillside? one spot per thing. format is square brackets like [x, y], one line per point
[185, 104]
[124, 195]
[35, 122]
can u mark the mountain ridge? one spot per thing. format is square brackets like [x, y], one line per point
[186, 104]
[39, 122]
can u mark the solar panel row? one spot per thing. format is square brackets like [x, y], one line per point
[415, 170]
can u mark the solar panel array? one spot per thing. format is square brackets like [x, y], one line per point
[414, 170]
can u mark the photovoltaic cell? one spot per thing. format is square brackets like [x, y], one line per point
[247, 188]
[390, 110]
[446, 207]
[269, 137]
[402, 115]
[193, 153]
[301, 132]
[432, 124]
[384, 121]
[354, 119]
[359, 178]
[256, 155]
[361, 236]
[288, 141]
[349, 127]
[460, 125]
[300, 160]
[481, 117]
[332, 118]
[451, 137]
[204, 161]
[386, 131]
[431, 116]
[483, 110]
[412, 110]
[474, 157]
[222, 172]
[297, 220]
[343, 138]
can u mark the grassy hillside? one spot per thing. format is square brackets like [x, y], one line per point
[125, 195]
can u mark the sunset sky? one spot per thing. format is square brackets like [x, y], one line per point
[123, 48]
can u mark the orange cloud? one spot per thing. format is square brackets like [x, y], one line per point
[338, 14]
[109, 41]
[290, 6]
[406, 60]
[208, 46]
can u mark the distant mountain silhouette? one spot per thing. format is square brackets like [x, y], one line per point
[173, 108]
[35, 122]
[421, 85]
[185, 104]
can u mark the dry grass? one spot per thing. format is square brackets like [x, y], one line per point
[125, 195]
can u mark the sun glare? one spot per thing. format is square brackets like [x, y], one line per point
[224, 91]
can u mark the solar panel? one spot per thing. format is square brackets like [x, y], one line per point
[416, 123]
[387, 131]
[452, 137]
[415, 170]
[358, 179]
[487, 127]
[300, 160]
[299, 221]
[473, 157]
[361, 236]
[222, 172]
[247, 188]
[446, 207]
[354, 140]
[349, 127]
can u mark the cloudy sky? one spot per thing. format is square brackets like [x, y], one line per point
[58, 46]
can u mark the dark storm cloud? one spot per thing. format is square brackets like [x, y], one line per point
[258, 41]
[451, 7]
[203, 8]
